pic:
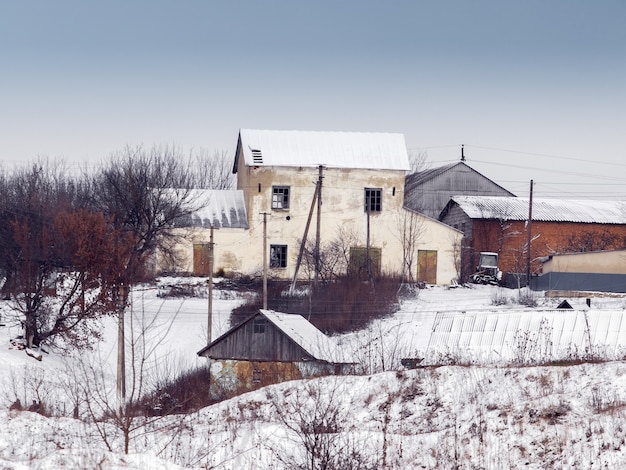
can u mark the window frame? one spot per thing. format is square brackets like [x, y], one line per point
[259, 325]
[375, 206]
[284, 194]
[278, 261]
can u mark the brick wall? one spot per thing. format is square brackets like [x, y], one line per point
[509, 239]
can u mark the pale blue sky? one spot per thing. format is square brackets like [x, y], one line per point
[518, 83]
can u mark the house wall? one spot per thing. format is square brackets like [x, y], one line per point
[228, 244]
[343, 217]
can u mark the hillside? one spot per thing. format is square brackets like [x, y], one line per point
[453, 416]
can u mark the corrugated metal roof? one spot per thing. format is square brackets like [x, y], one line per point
[527, 336]
[368, 150]
[216, 208]
[307, 336]
[544, 210]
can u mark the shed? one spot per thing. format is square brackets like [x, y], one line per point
[271, 347]
[429, 191]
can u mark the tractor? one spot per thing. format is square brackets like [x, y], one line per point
[487, 271]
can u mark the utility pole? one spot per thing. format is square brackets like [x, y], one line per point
[121, 352]
[529, 230]
[210, 283]
[319, 223]
[304, 237]
[368, 257]
[264, 260]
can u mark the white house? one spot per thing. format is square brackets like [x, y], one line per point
[361, 177]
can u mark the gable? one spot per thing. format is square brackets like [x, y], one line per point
[274, 336]
[366, 150]
[429, 191]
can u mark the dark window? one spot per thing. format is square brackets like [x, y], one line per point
[278, 256]
[373, 199]
[257, 376]
[259, 325]
[280, 197]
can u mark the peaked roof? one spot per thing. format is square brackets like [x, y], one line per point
[302, 332]
[367, 150]
[416, 179]
[216, 208]
[544, 210]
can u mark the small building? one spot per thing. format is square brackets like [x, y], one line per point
[271, 347]
[596, 271]
[500, 224]
[429, 191]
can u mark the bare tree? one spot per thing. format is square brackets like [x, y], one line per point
[410, 231]
[56, 257]
[213, 170]
[334, 255]
[418, 159]
[145, 192]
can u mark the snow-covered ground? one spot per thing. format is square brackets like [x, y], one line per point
[460, 415]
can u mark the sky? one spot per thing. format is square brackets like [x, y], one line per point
[534, 90]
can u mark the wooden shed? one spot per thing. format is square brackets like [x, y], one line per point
[271, 347]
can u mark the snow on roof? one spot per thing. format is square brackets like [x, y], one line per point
[217, 208]
[527, 336]
[377, 151]
[544, 210]
[307, 336]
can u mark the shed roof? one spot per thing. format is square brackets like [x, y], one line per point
[367, 150]
[543, 210]
[216, 208]
[303, 333]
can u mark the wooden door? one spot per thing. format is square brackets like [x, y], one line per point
[427, 266]
[201, 259]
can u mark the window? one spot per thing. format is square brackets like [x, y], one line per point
[257, 376]
[278, 256]
[280, 197]
[373, 199]
[258, 325]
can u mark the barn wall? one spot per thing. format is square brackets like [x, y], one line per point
[509, 238]
[431, 196]
[248, 342]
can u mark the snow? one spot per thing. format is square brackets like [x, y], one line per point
[366, 150]
[544, 210]
[304, 333]
[460, 415]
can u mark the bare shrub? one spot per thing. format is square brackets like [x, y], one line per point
[345, 305]
[316, 419]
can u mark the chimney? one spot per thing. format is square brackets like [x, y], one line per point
[462, 153]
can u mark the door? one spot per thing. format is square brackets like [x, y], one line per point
[201, 259]
[427, 266]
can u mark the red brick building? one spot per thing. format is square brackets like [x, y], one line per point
[500, 224]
